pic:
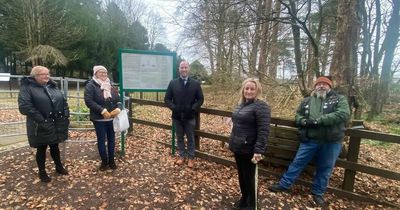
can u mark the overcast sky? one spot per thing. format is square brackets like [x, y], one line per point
[166, 9]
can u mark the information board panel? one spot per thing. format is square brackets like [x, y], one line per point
[146, 70]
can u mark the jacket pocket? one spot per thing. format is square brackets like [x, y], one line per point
[61, 126]
[45, 128]
[238, 139]
[239, 144]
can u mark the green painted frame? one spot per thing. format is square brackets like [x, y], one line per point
[122, 90]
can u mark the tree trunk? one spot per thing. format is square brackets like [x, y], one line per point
[274, 43]
[389, 45]
[375, 95]
[347, 35]
[366, 42]
[207, 40]
[310, 60]
[255, 42]
[325, 50]
[262, 67]
[297, 52]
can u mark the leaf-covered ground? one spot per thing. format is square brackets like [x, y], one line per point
[146, 178]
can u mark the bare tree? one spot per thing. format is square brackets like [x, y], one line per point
[134, 10]
[381, 91]
[155, 28]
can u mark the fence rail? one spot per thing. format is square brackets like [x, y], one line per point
[283, 144]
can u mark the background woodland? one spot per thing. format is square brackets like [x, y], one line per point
[285, 43]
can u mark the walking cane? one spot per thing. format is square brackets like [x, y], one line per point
[253, 160]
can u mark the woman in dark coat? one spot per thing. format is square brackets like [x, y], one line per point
[248, 139]
[47, 114]
[103, 102]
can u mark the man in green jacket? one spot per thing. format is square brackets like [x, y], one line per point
[321, 118]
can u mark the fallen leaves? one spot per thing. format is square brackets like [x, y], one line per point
[147, 177]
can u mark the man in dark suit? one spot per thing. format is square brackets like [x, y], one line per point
[184, 97]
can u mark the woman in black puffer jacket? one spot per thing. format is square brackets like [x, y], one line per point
[47, 114]
[248, 139]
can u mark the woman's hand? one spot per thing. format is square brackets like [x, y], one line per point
[115, 112]
[106, 114]
[256, 158]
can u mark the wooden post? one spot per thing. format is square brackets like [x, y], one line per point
[196, 128]
[352, 155]
[130, 114]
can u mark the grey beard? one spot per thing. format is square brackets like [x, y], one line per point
[321, 94]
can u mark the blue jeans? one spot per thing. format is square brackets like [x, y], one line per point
[103, 129]
[325, 155]
[182, 128]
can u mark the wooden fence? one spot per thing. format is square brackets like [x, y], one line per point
[283, 144]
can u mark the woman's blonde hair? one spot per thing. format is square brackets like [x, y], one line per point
[36, 70]
[258, 88]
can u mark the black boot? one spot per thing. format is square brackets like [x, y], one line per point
[112, 164]
[103, 166]
[43, 176]
[61, 170]
[41, 162]
[240, 204]
[319, 200]
[55, 154]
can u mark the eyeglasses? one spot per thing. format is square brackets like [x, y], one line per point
[102, 72]
[43, 74]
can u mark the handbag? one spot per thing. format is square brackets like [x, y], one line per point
[121, 121]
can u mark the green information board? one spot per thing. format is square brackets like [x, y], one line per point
[144, 71]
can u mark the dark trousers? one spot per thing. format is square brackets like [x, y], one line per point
[246, 172]
[183, 127]
[41, 156]
[105, 129]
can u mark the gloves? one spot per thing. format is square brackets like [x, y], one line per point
[115, 112]
[309, 123]
[106, 114]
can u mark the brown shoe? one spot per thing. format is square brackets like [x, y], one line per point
[190, 163]
[180, 161]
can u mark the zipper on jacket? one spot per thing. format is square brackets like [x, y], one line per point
[36, 127]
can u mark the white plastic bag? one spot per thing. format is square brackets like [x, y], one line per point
[121, 121]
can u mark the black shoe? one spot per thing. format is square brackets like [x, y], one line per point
[239, 204]
[112, 165]
[277, 188]
[319, 200]
[103, 166]
[44, 177]
[62, 171]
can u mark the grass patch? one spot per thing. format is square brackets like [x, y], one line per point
[382, 144]
[395, 129]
